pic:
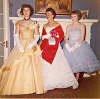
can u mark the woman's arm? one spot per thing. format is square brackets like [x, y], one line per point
[83, 32]
[37, 29]
[66, 38]
[16, 36]
[17, 27]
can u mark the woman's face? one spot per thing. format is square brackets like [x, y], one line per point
[74, 18]
[49, 15]
[26, 12]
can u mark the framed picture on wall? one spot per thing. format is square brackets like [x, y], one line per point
[62, 7]
[85, 14]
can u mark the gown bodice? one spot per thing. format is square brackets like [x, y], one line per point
[27, 32]
[74, 36]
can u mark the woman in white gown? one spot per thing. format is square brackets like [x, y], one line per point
[56, 70]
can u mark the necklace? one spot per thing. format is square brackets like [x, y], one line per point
[26, 19]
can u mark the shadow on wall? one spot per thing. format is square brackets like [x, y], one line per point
[95, 42]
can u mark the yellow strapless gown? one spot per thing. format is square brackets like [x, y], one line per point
[21, 73]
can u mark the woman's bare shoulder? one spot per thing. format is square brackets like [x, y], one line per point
[82, 25]
[19, 22]
[69, 26]
[45, 25]
[57, 23]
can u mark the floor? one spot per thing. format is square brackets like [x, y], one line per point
[89, 88]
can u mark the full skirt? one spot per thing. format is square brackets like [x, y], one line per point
[58, 74]
[21, 73]
[82, 59]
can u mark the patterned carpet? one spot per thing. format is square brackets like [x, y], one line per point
[89, 88]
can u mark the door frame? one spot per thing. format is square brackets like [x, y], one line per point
[6, 27]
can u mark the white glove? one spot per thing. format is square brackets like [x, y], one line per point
[57, 36]
[16, 36]
[46, 36]
[68, 48]
[75, 46]
[36, 38]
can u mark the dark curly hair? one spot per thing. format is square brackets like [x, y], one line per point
[52, 11]
[27, 6]
[78, 13]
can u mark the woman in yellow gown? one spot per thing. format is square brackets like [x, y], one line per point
[21, 72]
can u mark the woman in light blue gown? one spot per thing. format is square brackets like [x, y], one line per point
[76, 50]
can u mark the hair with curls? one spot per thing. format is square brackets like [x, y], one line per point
[52, 11]
[78, 13]
[27, 6]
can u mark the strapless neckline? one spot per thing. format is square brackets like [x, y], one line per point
[76, 29]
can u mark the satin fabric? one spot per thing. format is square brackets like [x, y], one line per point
[21, 73]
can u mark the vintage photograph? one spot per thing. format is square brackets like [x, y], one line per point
[44, 56]
[62, 7]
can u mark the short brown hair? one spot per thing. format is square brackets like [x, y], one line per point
[27, 6]
[78, 13]
[52, 11]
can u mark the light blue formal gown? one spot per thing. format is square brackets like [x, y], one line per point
[82, 59]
